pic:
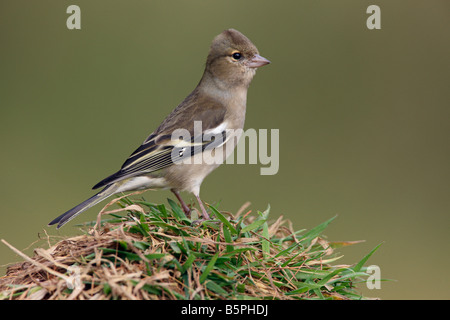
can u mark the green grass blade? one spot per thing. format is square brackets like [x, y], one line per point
[211, 285]
[265, 243]
[187, 264]
[177, 211]
[315, 232]
[361, 263]
[253, 226]
[208, 268]
[224, 220]
[227, 236]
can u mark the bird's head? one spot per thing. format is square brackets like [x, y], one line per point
[233, 59]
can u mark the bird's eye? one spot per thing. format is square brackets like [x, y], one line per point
[236, 55]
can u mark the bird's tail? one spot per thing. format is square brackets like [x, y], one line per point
[92, 201]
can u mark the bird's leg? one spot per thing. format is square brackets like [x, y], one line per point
[183, 204]
[204, 213]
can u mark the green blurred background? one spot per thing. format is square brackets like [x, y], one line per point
[363, 117]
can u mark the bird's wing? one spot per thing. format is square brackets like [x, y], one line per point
[161, 150]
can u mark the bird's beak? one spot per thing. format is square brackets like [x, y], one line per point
[257, 61]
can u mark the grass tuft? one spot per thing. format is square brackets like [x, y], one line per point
[157, 252]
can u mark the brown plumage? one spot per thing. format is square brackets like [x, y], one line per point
[218, 102]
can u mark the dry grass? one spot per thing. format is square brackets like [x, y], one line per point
[157, 253]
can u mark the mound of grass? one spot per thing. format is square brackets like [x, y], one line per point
[156, 252]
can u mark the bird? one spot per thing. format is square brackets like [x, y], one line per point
[196, 137]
